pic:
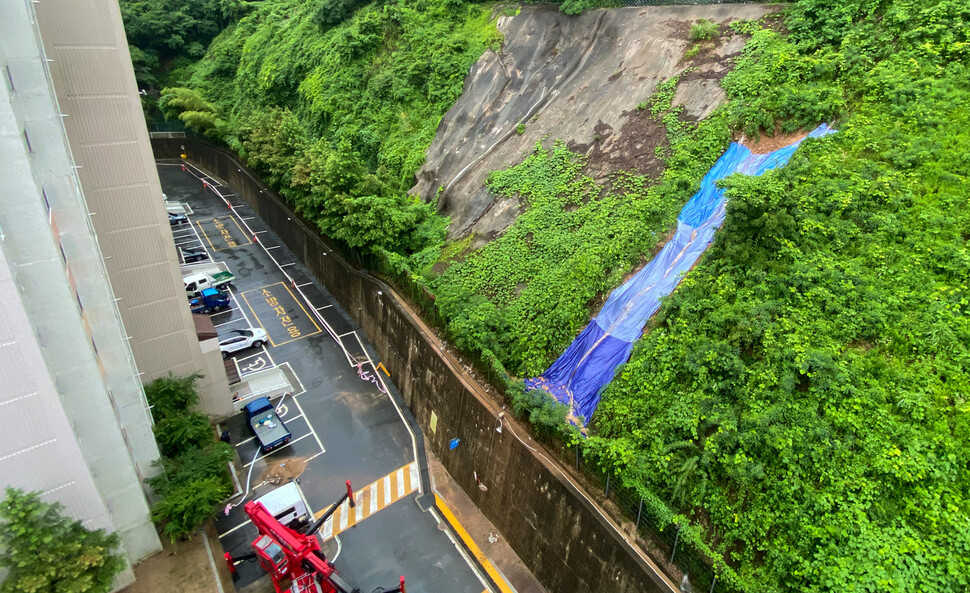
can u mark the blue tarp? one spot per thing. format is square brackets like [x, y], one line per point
[579, 375]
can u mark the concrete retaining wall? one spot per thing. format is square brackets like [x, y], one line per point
[562, 537]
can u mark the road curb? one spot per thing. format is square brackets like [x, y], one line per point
[493, 574]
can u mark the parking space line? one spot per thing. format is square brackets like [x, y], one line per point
[304, 284]
[284, 265]
[229, 310]
[253, 355]
[290, 444]
[241, 443]
[228, 245]
[273, 247]
[323, 307]
[236, 528]
[295, 300]
[313, 431]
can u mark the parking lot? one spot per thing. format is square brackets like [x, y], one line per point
[343, 424]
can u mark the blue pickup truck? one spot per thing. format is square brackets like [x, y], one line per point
[266, 425]
[211, 299]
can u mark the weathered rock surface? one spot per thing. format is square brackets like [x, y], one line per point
[578, 79]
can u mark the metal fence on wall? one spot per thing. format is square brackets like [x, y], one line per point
[312, 248]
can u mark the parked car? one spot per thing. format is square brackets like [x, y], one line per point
[266, 425]
[211, 299]
[241, 339]
[177, 219]
[193, 254]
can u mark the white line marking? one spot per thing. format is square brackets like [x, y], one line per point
[241, 443]
[323, 307]
[415, 480]
[387, 490]
[304, 284]
[251, 356]
[241, 525]
[227, 323]
[400, 482]
[344, 514]
[273, 247]
[310, 426]
[346, 334]
[373, 498]
[284, 265]
[358, 513]
[328, 528]
[224, 311]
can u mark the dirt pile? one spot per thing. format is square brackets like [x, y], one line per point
[578, 79]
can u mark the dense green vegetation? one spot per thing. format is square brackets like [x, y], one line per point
[194, 480]
[804, 392]
[525, 295]
[335, 102]
[801, 400]
[46, 552]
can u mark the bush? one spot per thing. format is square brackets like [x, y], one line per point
[194, 478]
[186, 507]
[44, 551]
[171, 395]
[703, 30]
[179, 433]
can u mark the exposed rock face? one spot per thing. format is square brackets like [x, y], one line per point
[578, 79]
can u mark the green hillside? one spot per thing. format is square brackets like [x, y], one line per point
[801, 400]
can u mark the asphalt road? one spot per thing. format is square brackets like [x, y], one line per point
[343, 425]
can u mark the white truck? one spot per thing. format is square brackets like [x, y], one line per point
[198, 277]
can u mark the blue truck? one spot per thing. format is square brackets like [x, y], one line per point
[268, 428]
[211, 299]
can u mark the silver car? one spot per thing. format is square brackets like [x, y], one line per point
[240, 339]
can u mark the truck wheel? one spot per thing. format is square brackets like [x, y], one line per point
[258, 343]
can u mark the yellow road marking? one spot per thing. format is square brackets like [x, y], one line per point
[249, 240]
[295, 300]
[472, 546]
[371, 499]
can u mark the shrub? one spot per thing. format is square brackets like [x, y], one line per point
[186, 507]
[44, 551]
[703, 30]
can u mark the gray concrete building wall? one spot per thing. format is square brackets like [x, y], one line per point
[72, 410]
[95, 87]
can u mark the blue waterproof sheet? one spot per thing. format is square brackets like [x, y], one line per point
[579, 375]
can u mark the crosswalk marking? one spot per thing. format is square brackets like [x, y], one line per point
[371, 499]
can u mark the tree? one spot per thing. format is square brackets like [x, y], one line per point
[45, 551]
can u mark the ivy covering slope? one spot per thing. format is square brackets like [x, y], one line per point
[802, 398]
[335, 103]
